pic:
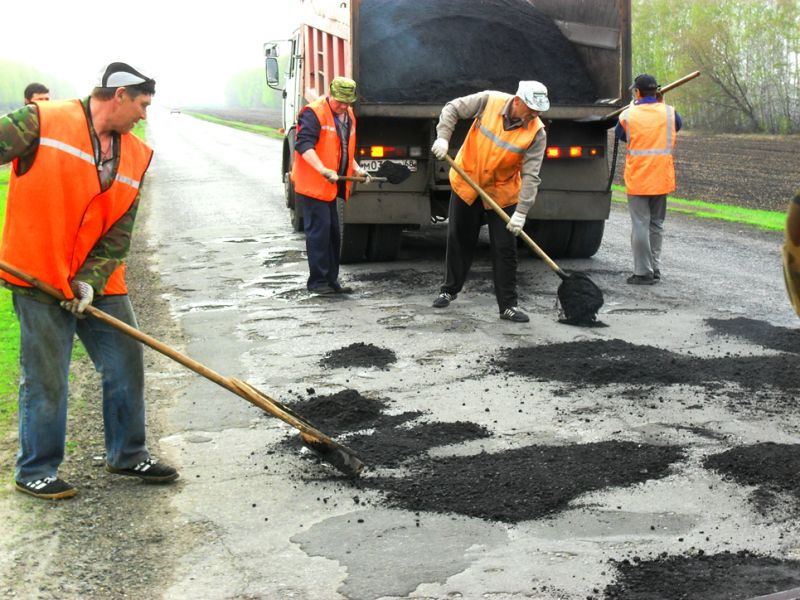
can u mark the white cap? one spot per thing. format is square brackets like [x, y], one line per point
[534, 95]
[118, 74]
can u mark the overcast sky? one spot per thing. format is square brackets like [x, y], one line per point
[191, 49]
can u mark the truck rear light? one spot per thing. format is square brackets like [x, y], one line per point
[383, 152]
[574, 152]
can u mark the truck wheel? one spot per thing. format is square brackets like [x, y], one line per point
[551, 236]
[354, 238]
[296, 212]
[586, 238]
[384, 242]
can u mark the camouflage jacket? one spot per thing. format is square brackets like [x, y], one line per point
[19, 138]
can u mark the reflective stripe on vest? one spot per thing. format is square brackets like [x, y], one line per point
[492, 156]
[84, 156]
[56, 210]
[649, 165]
[306, 179]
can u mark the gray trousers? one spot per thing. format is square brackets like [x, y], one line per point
[647, 225]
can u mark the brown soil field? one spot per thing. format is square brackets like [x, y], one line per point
[753, 171]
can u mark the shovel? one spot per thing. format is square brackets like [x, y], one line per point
[580, 298]
[341, 457]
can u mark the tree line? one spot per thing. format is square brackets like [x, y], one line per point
[14, 78]
[748, 52]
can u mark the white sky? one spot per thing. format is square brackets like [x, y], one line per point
[191, 49]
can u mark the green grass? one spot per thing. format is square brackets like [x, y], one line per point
[762, 219]
[260, 129]
[9, 336]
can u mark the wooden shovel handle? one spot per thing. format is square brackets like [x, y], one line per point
[240, 388]
[664, 89]
[496, 207]
[360, 179]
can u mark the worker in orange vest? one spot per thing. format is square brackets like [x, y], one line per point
[72, 201]
[325, 150]
[649, 126]
[503, 154]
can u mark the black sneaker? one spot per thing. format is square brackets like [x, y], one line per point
[444, 299]
[641, 280]
[323, 290]
[514, 314]
[342, 289]
[149, 470]
[49, 488]
[656, 274]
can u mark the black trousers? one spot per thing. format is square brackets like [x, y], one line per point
[464, 224]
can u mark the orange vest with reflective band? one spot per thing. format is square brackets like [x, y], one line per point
[56, 211]
[651, 133]
[492, 156]
[306, 179]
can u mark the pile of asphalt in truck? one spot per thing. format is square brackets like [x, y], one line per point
[415, 52]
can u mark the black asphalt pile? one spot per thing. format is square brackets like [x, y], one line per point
[390, 446]
[725, 576]
[415, 52]
[391, 440]
[773, 467]
[523, 483]
[604, 362]
[404, 279]
[761, 333]
[359, 354]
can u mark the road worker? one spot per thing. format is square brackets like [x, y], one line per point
[791, 252]
[324, 151]
[503, 154]
[73, 197]
[36, 92]
[650, 127]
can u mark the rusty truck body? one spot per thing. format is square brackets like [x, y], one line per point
[410, 58]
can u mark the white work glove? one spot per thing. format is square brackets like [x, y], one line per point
[439, 148]
[330, 175]
[516, 223]
[84, 295]
[365, 174]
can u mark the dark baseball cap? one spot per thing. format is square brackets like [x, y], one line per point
[645, 82]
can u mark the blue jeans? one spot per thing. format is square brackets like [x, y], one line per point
[46, 337]
[323, 242]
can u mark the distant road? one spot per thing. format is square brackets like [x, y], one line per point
[271, 117]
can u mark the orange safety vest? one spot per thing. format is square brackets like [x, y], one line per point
[492, 156]
[306, 179]
[651, 133]
[56, 211]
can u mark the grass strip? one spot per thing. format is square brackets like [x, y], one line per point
[762, 219]
[9, 336]
[259, 129]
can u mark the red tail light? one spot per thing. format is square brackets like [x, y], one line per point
[383, 152]
[561, 152]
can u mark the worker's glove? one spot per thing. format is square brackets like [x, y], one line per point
[516, 223]
[365, 174]
[439, 148]
[330, 175]
[84, 295]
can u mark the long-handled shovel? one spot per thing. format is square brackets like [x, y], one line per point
[580, 298]
[336, 454]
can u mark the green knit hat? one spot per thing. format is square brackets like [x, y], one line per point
[343, 89]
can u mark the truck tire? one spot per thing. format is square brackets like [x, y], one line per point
[586, 238]
[295, 209]
[551, 236]
[384, 242]
[354, 238]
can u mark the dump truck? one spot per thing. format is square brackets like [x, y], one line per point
[409, 58]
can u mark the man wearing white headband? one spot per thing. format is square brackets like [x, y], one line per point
[74, 193]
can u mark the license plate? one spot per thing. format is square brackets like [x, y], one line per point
[374, 165]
